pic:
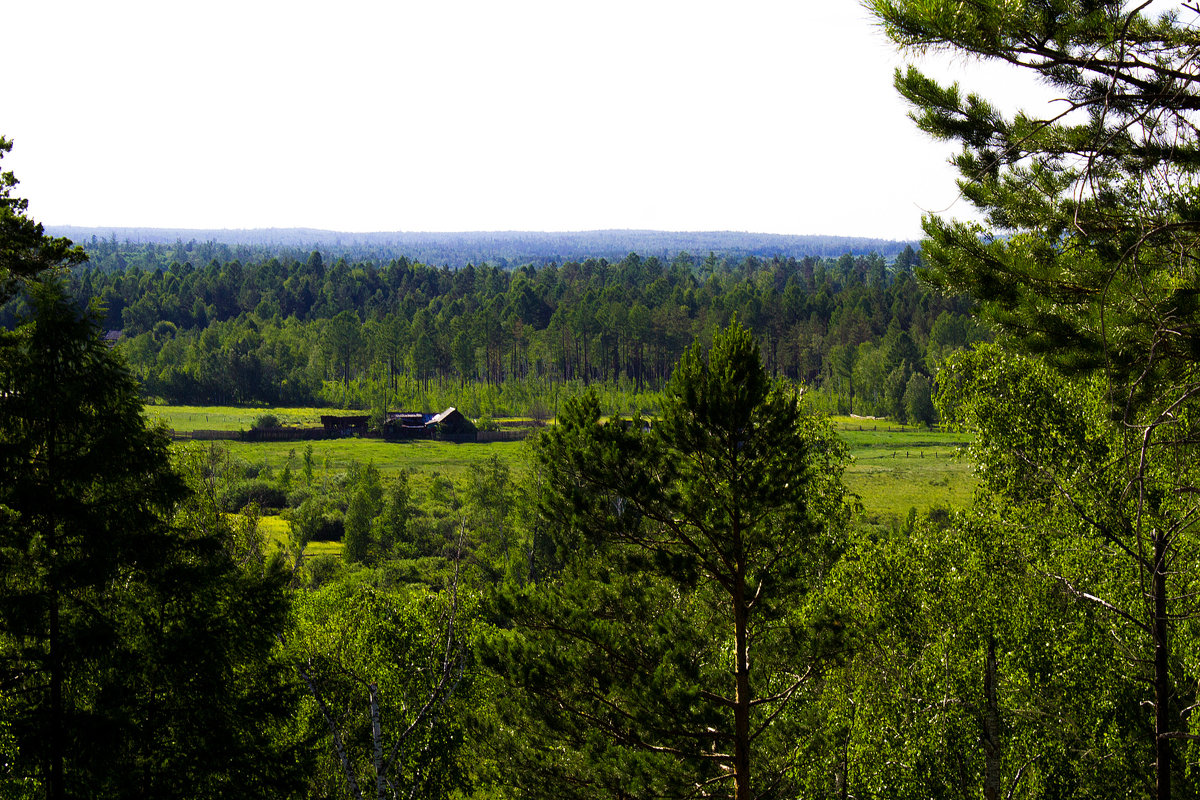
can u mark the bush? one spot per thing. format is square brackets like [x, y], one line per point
[264, 422]
[331, 527]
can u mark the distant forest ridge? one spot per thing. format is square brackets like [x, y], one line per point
[499, 248]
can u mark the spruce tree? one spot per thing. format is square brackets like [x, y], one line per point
[135, 652]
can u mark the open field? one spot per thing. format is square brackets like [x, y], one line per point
[896, 467]
[891, 480]
[390, 457]
[231, 418]
[893, 469]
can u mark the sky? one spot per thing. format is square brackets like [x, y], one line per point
[466, 115]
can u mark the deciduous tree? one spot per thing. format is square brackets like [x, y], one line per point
[1089, 259]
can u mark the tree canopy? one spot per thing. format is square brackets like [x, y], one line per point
[1088, 260]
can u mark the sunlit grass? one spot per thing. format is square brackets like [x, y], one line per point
[276, 531]
[232, 418]
[894, 468]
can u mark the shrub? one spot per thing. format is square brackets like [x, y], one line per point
[265, 421]
[296, 497]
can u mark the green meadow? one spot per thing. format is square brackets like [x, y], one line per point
[892, 468]
[232, 418]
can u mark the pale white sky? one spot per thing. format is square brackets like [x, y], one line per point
[369, 115]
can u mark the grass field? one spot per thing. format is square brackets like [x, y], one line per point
[420, 456]
[893, 469]
[275, 530]
[896, 468]
[231, 418]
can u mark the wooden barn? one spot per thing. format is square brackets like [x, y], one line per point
[452, 422]
[450, 425]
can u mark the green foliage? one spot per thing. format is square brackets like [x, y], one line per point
[661, 555]
[974, 674]
[265, 422]
[493, 342]
[1093, 271]
[386, 689]
[260, 492]
[918, 401]
[390, 530]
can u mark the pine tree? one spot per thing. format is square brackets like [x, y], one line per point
[25, 250]
[677, 625]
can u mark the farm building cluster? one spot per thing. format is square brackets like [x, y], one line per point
[449, 424]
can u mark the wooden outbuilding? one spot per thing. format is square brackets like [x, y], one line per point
[451, 422]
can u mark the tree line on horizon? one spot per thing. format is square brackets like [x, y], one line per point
[118, 248]
[862, 331]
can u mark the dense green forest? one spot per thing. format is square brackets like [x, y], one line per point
[496, 342]
[682, 604]
[117, 248]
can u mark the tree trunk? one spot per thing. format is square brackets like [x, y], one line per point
[991, 727]
[1162, 677]
[57, 743]
[741, 704]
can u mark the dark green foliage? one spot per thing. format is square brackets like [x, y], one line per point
[314, 520]
[265, 422]
[136, 654]
[918, 401]
[265, 494]
[495, 342]
[1097, 206]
